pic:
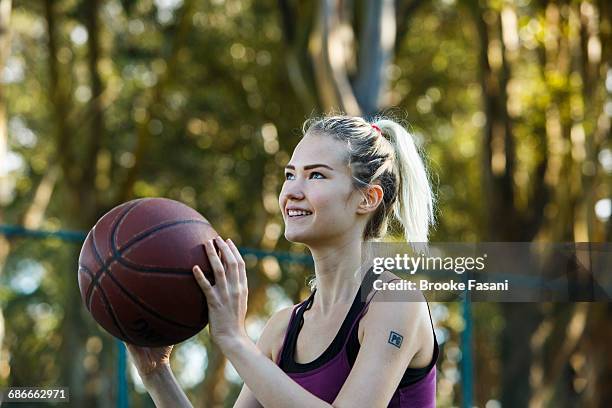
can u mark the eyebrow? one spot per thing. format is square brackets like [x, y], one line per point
[310, 166]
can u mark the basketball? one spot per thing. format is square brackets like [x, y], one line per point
[135, 273]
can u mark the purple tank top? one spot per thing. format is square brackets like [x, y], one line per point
[325, 376]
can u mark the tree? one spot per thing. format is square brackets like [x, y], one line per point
[340, 51]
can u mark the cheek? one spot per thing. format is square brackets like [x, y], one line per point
[321, 199]
[332, 205]
[329, 203]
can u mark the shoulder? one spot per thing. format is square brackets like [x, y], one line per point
[388, 294]
[401, 311]
[271, 339]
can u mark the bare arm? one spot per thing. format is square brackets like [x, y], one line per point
[165, 390]
[246, 399]
[153, 365]
[269, 344]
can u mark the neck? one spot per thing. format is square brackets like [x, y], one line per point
[338, 270]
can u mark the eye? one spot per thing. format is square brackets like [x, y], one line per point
[316, 172]
[288, 175]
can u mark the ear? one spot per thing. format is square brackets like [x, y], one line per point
[372, 197]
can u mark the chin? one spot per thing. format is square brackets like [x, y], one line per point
[296, 237]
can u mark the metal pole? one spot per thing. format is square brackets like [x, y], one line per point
[122, 385]
[467, 362]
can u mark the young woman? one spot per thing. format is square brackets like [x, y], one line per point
[345, 180]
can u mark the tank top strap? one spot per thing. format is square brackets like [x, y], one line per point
[362, 313]
[291, 327]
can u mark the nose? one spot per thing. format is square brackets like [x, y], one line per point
[292, 192]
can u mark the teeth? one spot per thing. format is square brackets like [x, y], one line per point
[293, 213]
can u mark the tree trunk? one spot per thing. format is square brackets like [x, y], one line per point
[504, 220]
[376, 46]
[87, 190]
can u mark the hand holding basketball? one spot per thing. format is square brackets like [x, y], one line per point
[227, 299]
[149, 360]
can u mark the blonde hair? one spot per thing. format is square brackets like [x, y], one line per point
[384, 152]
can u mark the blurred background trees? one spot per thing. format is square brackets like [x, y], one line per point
[105, 100]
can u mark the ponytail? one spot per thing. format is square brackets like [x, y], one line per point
[414, 206]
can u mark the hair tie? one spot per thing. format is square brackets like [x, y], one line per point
[376, 128]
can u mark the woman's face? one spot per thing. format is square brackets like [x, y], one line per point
[318, 201]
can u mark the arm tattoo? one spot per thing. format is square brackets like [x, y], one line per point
[395, 339]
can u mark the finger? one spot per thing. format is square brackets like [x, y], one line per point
[220, 252]
[231, 264]
[203, 283]
[215, 263]
[241, 264]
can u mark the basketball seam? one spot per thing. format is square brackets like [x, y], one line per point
[109, 308]
[120, 221]
[144, 305]
[139, 237]
[94, 280]
[104, 266]
[91, 276]
[133, 244]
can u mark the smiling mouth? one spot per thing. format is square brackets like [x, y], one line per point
[298, 213]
